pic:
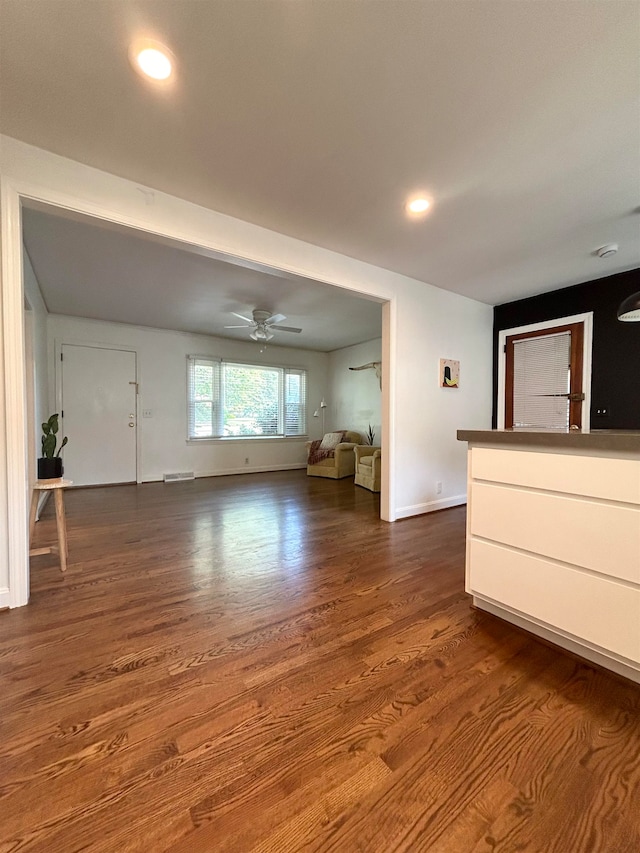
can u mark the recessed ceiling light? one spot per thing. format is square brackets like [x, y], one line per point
[152, 59]
[418, 205]
[154, 63]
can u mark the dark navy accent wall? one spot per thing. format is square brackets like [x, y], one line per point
[615, 382]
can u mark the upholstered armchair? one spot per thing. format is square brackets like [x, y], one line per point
[367, 461]
[342, 464]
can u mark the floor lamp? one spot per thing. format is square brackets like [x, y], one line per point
[316, 414]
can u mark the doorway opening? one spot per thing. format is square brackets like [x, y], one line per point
[18, 438]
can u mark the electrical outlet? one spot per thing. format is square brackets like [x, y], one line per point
[438, 488]
[603, 412]
[146, 413]
[246, 460]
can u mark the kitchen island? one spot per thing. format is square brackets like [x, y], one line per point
[553, 537]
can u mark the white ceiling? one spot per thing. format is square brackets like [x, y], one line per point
[88, 268]
[316, 119]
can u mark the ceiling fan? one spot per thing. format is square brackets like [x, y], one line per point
[262, 322]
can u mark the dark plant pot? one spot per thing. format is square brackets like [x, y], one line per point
[49, 469]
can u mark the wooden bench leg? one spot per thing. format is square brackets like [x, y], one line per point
[61, 523]
[32, 514]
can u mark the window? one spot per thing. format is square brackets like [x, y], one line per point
[230, 399]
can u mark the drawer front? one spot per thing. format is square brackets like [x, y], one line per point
[599, 536]
[595, 609]
[592, 476]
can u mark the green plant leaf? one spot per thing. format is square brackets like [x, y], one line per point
[49, 446]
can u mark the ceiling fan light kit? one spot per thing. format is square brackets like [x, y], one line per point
[261, 334]
[262, 322]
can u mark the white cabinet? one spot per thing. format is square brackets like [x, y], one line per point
[553, 545]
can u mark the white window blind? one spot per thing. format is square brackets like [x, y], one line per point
[541, 381]
[295, 402]
[204, 410]
[244, 400]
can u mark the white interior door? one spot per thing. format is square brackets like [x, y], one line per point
[99, 414]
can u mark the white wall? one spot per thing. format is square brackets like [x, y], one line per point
[162, 377]
[355, 399]
[5, 593]
[39, 316]
[421, 324]
[436, 325]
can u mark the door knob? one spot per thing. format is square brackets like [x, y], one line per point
[131, 423]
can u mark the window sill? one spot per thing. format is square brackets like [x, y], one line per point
[243, 438]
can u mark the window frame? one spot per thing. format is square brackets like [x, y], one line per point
[284, 372]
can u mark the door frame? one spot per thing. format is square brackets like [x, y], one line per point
[58, 407]
[29, 362]
[587, 322]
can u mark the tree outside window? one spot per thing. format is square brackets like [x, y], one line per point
[231, 399]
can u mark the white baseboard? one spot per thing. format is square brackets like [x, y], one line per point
[604, 659]
[246, 469]
[5, 598]
[430, 506]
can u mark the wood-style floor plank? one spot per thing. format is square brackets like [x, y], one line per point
[259, 664]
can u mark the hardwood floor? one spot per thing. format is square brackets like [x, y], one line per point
[258, 663]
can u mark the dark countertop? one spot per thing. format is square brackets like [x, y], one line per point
[626, 441]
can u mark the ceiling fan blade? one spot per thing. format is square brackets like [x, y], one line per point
[275, 318]
[242, 317]
[236, 327]
[285, 328]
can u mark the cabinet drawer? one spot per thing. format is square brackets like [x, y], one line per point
[600, 536]
[592, 476]
[600, 611]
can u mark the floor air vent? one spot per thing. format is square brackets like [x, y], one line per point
[176, 478]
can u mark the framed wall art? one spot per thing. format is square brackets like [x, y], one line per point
[449, 373]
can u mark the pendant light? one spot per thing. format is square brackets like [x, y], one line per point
[629, 310]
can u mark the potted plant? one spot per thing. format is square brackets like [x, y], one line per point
[50, 463]
[371, 436]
